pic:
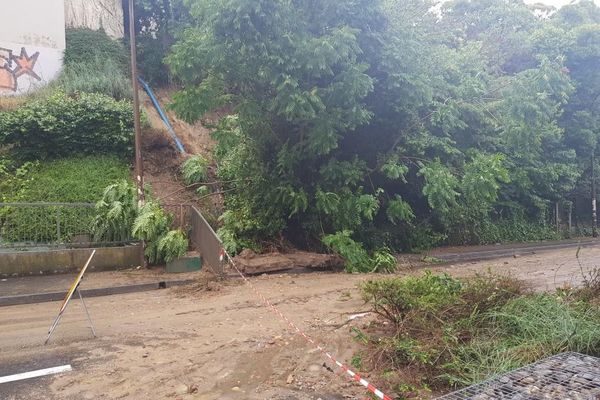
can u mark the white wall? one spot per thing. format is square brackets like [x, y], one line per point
[95, 14]
[32, 42]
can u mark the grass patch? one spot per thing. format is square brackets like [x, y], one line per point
[444, 333]
[78, 179]
[98, 75]
[75, 179]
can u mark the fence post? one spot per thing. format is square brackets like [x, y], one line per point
[57, 224]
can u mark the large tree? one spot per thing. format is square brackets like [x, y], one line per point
[389, 121]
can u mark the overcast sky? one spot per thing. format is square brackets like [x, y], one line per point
[555, 3]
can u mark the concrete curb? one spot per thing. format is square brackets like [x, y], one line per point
[510, 252]
[97, 292]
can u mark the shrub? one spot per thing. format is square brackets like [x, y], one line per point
[195, 169]
[62, 125]
[356, 257]
[78, 179]
[116, 212]
[85, 45]
[74, 179]
[452, 333]
[523, 331]
[172, 245]
[395, 298]
[94, 63]
[99, 75]
[119, 218]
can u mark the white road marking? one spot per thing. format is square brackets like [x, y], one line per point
[35, 374]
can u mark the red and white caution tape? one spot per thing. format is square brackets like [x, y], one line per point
[353, 375]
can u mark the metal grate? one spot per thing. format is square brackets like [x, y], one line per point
[567, 376]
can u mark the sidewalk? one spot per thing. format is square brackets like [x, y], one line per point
[475, 253]
[92, 280]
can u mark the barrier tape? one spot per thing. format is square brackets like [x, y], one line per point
[353, 375]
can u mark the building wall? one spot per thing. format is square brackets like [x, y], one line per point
[32, 42]
[95, 14]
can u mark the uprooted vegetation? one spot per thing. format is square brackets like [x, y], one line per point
[436, 332]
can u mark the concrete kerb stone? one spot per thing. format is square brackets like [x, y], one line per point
[97, 292]
[64, 260]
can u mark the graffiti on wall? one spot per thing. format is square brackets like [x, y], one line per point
[13, 66]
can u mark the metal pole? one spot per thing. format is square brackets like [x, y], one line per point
[139, 169]
[594, 210]
[557, 213]
[87, 313]
[139, 166]
[58, 225]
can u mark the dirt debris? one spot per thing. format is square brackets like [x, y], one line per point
[251, 263]
[151, 344]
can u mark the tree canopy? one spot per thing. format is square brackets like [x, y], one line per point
[393, 123]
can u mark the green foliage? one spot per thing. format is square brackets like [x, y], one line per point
[356, 361]
[308, 84]
[395, 298]
[356, 257]
[77, 179]
[195, 169]
[172, 245]
[390, 121]
[62, 125]
[393, 170]
[513, 229]
[384, 261]
[399, 210]
[454, 333]
[525, 330]
[156, 24]
[119, 218]
[74, 179]
[93, 63]
[85, 45]
[99, 75]
[116, 212]
[150, 224]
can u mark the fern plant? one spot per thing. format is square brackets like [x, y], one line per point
[172, 245]
[115, 213]
[150, 225]
[119, 218]
[195, 169]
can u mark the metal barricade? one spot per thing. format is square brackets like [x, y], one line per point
[205, 240]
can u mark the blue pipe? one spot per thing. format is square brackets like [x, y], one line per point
[162, 115]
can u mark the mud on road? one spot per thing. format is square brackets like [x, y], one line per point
[218, 341]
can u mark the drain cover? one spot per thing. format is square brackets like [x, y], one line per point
[567, 376]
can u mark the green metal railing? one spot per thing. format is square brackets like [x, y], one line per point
[24, 225]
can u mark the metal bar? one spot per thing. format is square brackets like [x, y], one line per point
[69, 295]
[162, 115]
[58, 224]
[87, 313]
[67, 245]
[594, 203]
[46, 204]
